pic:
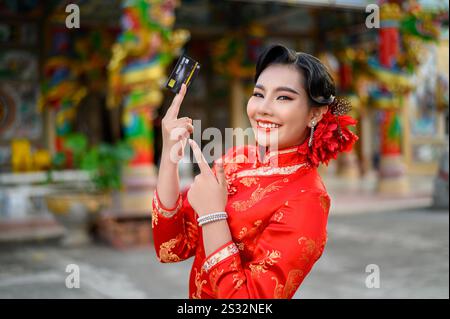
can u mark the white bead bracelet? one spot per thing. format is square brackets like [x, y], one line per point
[213, 217]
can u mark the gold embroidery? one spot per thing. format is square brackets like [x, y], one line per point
[244, 231]
[165, 253]
[292, 282]
[224, 253]
[235, 159]
[319, 251]
[257, 223]
[249, 181]
[213, 279]
[234, 264]
[240, 246]
[325, 203]
[154, 218]
[268, 170]
[237, 281]
[308, 248]
[191, 233]
[167, 213]
[199, 284]
[231, 168]
[278, 216]
[257, 195]
[263, 265]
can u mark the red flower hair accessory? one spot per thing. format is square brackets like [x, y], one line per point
[331, 135]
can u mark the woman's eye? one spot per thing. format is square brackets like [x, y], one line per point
[257, 94]
[284, 98]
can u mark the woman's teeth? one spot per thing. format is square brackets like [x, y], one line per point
[268, 125]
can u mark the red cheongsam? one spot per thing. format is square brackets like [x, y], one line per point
[277, 214]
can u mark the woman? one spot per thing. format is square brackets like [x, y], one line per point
[256, 222]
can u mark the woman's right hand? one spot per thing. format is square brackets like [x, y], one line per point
[175, 131]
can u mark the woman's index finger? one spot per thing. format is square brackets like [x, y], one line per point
[201, 161]
[176, 103]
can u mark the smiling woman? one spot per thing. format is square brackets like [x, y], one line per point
[256, 222]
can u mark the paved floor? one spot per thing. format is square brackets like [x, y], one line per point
[411, 249]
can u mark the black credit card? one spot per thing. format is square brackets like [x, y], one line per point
[185, 72]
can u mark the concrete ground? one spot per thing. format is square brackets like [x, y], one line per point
[409, 247]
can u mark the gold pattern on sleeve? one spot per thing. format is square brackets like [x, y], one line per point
[191, 233]
[249, 181]
[258, 194]
[263, 266]
[224, 253]
[154, 218]
[164, 212]
[245, 232]
[198, 284]
[278, 216]
[234, 264]
[242, 232]
[325, 203]
[238, 281]
[292, 282]
[308, 248]
[213, 278]
[165, 253]
[319, 251]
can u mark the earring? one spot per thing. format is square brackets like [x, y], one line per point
[313, 125]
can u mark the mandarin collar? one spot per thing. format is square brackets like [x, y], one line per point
[280, 157]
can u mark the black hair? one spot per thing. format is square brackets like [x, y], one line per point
[318, 82]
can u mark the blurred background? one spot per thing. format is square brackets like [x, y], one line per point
[81, 100]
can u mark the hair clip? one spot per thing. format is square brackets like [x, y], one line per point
[340, 106]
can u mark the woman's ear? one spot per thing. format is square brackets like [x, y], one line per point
[316, 115]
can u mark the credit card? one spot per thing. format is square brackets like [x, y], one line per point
[184, 72]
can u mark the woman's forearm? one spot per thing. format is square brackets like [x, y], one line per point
[215, 234]
[168, 186]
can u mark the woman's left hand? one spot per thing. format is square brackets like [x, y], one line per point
[208, 194]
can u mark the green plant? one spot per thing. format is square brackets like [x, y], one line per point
[103, 161]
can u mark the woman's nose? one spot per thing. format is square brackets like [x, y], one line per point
[265, 107]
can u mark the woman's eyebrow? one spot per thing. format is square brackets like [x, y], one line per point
[280, 88]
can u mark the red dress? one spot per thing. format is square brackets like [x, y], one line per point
[278, 210]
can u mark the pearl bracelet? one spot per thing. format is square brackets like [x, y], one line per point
[213, 217]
